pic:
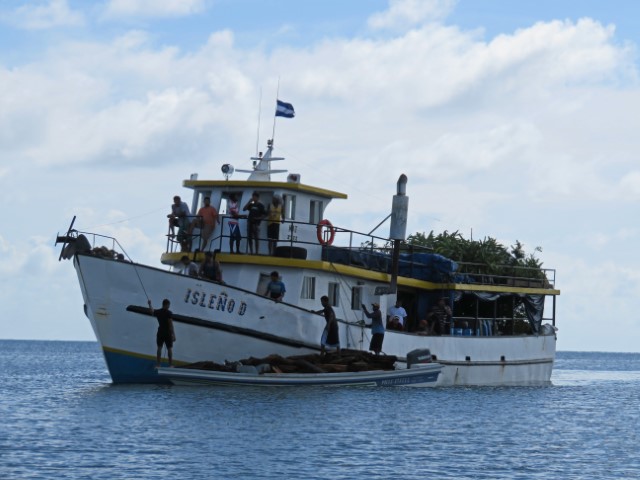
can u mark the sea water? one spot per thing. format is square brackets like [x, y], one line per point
[60, 417]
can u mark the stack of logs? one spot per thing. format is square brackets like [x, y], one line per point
[331, 362]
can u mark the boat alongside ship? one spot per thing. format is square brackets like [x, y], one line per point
[233, 319]
[343, 369]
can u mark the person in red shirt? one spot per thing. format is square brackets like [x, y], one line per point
[207, 221]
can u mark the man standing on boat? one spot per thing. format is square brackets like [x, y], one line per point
[377, 328]
[440, 317]
[256, 214]
[180, 217]
[165, 335]
[234, 227]
[275, 216]
[330, 336]
[207, 221]
[398, 312]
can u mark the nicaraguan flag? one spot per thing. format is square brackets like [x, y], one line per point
[284, 109]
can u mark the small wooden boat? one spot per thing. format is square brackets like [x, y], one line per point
[338, 370]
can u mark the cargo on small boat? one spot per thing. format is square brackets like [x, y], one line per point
[347, 368]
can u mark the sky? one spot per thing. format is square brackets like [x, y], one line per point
[514, 120]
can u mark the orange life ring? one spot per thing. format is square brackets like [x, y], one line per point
[324, 225]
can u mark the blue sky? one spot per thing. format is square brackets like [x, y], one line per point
[515, 120]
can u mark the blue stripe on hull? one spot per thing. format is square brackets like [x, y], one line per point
[430, 378]
[132, 369]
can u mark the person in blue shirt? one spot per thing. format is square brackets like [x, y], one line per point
[275, 288]
[377, 328]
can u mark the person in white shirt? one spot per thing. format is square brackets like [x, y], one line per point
[396, 315]
[188, 267]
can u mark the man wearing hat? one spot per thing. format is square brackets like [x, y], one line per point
[377, 327]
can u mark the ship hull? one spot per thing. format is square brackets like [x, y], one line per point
[220, 322]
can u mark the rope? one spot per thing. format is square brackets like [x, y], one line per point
[135, 268]
[125, 220]
[356, 323]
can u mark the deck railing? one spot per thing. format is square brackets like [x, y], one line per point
[371, 252]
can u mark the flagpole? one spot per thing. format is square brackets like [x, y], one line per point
[258, 132]
[273, 133]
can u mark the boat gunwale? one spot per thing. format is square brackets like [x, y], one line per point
[368, 377]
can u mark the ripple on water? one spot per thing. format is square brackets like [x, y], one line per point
[63, 419]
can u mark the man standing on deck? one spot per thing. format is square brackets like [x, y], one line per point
[399, 312]
[180, 217]
[256, 214]
[275, 216]
[330, 336]
[377, 328]
[440, 317]
[234, 228]
[207, 221]
[165, 335]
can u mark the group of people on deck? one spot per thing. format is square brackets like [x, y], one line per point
[439, 315]
[180, 217]
[437, 323]
[208, 269]
[208, 218]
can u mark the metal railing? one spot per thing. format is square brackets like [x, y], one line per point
[371, 252]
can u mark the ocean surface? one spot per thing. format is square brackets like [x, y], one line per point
[60, 417]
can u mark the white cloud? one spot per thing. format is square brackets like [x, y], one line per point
[404, 14]
[527, 136]
[599, 240]
[630, 185]
[44, 15]
[597, 281]
[153, 8]
[32, 256]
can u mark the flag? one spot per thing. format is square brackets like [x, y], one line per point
[284, 109]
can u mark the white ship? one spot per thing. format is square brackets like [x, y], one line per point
[231, 320]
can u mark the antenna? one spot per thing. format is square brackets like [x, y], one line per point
[258, 131]
[273, 133]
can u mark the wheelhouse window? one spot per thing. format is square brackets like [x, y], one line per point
[316, 209]
[356, 297]
[334, 294]
[223, 206]
[289, 202]
[308, 288]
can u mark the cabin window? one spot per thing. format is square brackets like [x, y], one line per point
[334, 294]
[223, 206]
[356, 297]
[289, 202]
[308, 288]
[316, 209]
[263, 281]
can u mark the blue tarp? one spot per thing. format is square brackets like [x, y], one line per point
[427, 266]
[423, 266]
